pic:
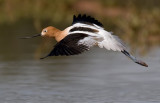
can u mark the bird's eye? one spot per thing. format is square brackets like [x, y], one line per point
[45, 31]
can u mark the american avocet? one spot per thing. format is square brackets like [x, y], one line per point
[84, 33]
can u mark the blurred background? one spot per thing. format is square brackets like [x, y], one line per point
[97, 76]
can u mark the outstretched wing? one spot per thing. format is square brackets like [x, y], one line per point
[72, 44]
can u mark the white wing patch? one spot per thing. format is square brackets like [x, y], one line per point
[111, 42]
[90, 41]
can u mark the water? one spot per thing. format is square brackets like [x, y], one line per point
[97, 76]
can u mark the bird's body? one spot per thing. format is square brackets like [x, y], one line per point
[84, 33]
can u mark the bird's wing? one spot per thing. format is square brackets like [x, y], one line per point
[111, 42]
[86, 20]
[73, 44]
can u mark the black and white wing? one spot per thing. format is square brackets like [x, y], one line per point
[72, 44]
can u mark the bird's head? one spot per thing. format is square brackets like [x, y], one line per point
[49, 31]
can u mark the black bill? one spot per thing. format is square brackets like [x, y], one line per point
[30, 36]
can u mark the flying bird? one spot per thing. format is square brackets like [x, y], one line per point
[84, 33]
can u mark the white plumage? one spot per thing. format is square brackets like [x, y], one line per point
[102, 38]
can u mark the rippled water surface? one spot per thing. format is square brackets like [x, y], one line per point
[97, 76]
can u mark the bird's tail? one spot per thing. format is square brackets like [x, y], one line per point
[134, 58]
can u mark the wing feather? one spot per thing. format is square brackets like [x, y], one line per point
[69, 46]
[85, 19]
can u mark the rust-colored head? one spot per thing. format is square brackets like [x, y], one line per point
[50, 31]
